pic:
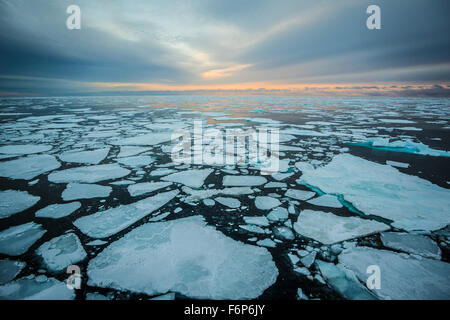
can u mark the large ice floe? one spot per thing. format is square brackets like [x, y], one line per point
[329, 228]
[9, 269]
[406, 146]
[16, 240]
[402, 276]
[106, 223]
[61, 252]
[28, 167]
[87, 157]
[146, 187]
[243, 181]
[191, 178]
[58, 210]
[184, 256]
[75, 191]
[89, 174]
[36, 288]
[24, 149]
[13, 201]
[410, 202]
[411, 243]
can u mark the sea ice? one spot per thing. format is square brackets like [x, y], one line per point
[89, 174]
[411, 243]
[20, 149]
[28, 167]
[278, 214]
[106, 223]
[259, 221]
[9, 270]
[183, 257]
[76, 191]
[243, 181]
[344, 281]
[266, 203]
[403, 277]
[16, 240]
[326, 200]
[406, 146]
[229, 202]
[299, 194]
[191, 178]
[14, 201]
[61, 252]
[329, 228]
[196, 195]
[58, 210]
[87, 157]
[411, 202]
[128, 151]
[146, 187]
[397, 164]
[36, 288]
[266, 243]
[136, 161]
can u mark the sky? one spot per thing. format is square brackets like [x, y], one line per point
[319, 47]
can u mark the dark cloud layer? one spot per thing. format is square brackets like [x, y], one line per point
[203, 42]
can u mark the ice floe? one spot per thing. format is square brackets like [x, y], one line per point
[329, 228]
[243, 181]
[411, 243]
[61, 252]
[58, 210]
[402, 276]
[36, 288]
[344, 281]
[20, 149]
[9, 270]
[136, 161]
[16, 240]
[326, 200]
[411, 202]
[89, 174]
[299, 194]
[406, 146]
[28, 167]
[87, 157]
[228, 202]
[184, 257]
[191, 178]
[75, 191]
[106, 223]
[266, 203]
[146, 187]
[14, 201]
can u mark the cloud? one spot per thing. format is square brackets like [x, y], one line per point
[221, 43]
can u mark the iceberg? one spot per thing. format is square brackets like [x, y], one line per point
[381, 190]
[13, 201]
[183, 257]
[191, 178]
[89, 174]
[16, 240]
[76, 191]
[58, 210]
[61, 252]
[28, 167]
[111, 221]
[329, 228]
[403, 277]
